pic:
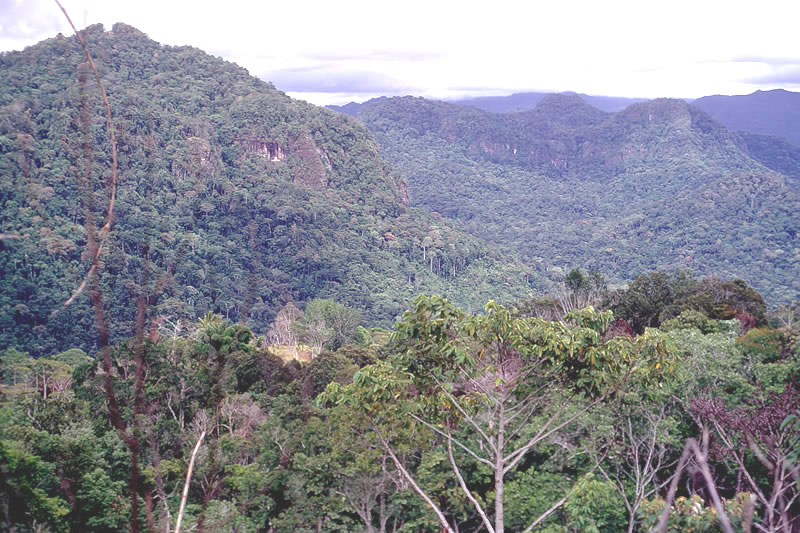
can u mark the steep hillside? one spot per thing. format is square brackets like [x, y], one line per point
[775, 153]
[659, 185]
[232, 198]
[775, 112]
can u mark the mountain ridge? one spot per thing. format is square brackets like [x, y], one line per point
[232, 198]
[621, 193]
[775, 112]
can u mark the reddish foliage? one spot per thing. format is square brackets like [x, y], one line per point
[745, 435]
[759, 423]
[619, 328]
[746, 321]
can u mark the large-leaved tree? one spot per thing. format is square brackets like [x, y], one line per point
[493, 388]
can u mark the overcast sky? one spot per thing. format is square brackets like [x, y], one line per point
[335, 51]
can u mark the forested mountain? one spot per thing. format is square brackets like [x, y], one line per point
[775, 112]
[512, 102]
[659, 185]
[232, 198]
[775, 153]
[525, 101]
[673, 400]
[352, 108]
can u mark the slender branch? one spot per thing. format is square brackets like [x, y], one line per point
[522, 406]
[516, 456]
[758, 453]
[661, 527]
[106, 229]
[545, 514]
[523, 424]
[466, 490]
[449, 437]
[478, 385]
[465, 414]
[185, 494]
[522, 450]
[442, 519]
[690, 449]
[563, 500]
[725, 438]
[617, 482]
[712, 489]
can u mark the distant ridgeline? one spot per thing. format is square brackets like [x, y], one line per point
[775, 112]
[659, 185]
[232, 198]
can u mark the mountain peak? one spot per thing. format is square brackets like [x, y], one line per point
[561, 99]
[120, 28]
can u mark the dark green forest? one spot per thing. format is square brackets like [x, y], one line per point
[542, 416]
[235, 197]
[251, 314]
[657, 186]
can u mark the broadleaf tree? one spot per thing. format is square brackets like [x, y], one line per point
[494, 387]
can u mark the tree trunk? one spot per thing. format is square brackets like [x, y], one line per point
[186, 485]
[499, 523]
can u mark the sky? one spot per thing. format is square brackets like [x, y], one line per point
[336, 51]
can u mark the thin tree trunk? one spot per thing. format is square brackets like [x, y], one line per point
[186, 485]
[499, 523]
[631, 521]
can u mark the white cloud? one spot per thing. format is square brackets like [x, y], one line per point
[618, 47]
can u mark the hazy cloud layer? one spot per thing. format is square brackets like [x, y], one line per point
[377, 55]
[23, 23]
[321, 50]
[333, 79]
[765, 60]
[782, 76]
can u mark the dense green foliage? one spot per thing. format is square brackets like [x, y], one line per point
[601, 420]
[657, 186]
[497, 386]
[232, 198]
[278, 224]
[774, 153]
[657, 298]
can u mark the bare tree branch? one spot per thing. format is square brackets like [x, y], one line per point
[106, 229]
[464, 487]
[700, 456]
[185, 494]
[465, 414]
[449, 437]
[545, 514]
[435, 508]
[516, 456]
